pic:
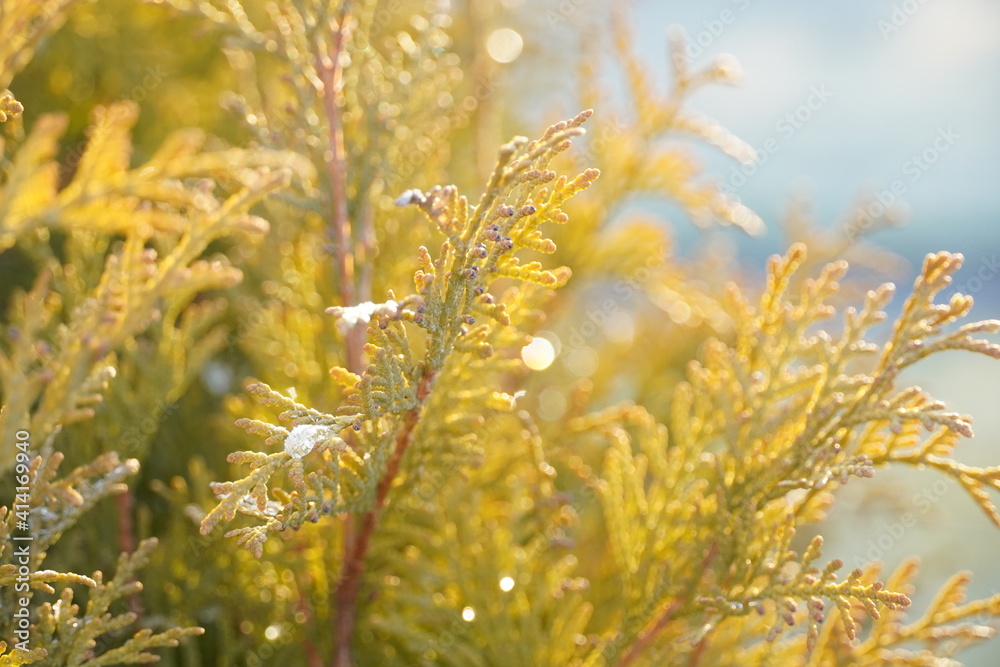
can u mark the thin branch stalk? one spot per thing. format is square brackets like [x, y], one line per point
[356, 544]
[330, 69]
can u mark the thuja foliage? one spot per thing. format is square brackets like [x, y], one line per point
[117, 251]
[468, 512]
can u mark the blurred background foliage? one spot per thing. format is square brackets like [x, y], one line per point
[180, 72]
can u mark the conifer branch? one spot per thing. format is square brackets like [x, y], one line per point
[479, 249]
[329, 67]
[357, 547]
[473, 513]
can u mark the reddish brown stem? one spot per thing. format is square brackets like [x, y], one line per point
[356, 544]
[647, 636]
[126, 528]
[125, 503]
[366, 253]
[313, 658]
[650, 632]
[699, 651]
[330, 69]
[312, 655]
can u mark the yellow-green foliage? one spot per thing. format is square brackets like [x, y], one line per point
[66, 634]
[381, 318]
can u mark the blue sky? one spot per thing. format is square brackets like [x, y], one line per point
[910, 97]
[898, 76]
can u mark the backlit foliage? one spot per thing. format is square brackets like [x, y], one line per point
[649, 511]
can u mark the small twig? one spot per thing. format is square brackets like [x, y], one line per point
[125, 504]
[313, 657]
[647, 635]
[330, 69]
[356, 545]
[650, 632]
[699, 650]
[366, 253]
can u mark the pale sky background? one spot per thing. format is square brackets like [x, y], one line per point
[894, 87]
[892, 90]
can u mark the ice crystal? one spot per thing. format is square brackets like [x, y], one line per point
[304, 438]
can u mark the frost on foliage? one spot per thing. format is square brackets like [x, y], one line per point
[695, 564]
[351, 316]
[463, 322]
[303, 439]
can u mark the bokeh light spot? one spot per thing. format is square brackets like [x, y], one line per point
[538, 354]
[504, 45]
